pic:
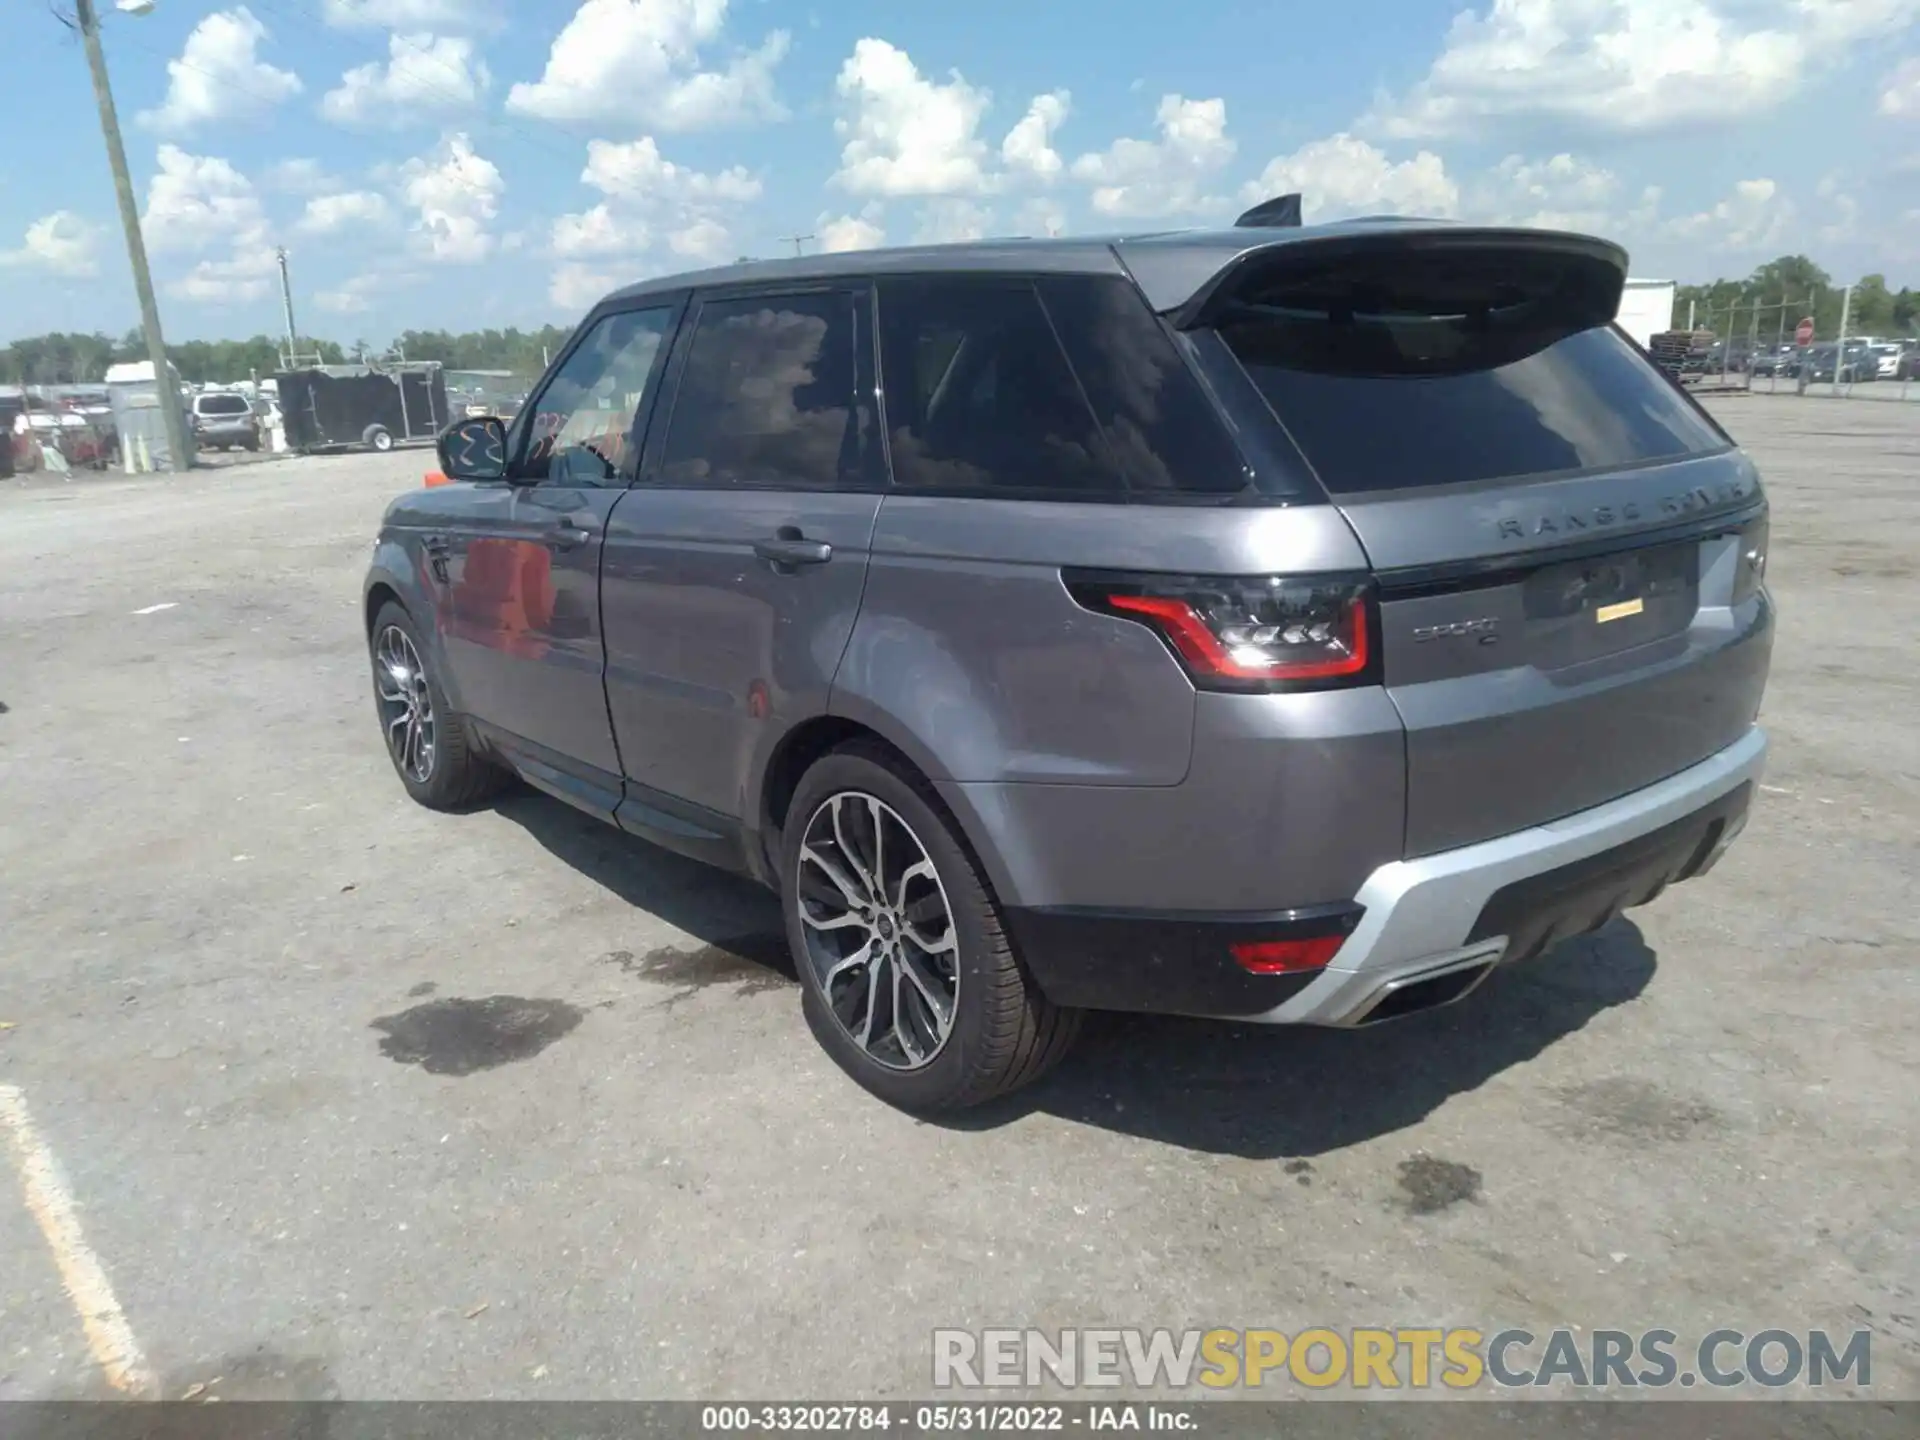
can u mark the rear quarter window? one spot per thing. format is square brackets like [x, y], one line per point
[1060, 387]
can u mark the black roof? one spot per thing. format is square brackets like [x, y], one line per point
[1171, 267]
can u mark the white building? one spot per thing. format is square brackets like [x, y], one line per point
[1646, 309]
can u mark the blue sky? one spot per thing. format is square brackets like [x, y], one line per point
[463, 163]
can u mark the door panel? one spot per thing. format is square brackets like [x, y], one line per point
[524, 629]
[734, 570]
[713, 651]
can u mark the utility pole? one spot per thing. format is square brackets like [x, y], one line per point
[796, 241]
[165, 391]
[286, 298]
[1840, 346]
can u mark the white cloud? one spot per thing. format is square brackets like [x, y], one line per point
[1168, 176]
[413, 15]
[457, 194]
[200, 202]
[904, 134]
[299, 177]
[423, 76]
[246, 276]
[1839, 210]
[352, 297]
[838, 233]
[639, 61]
[1028, 148]
[1902, 94]
[637, 170]
[1562, 192]
[219, 77]
[597, 232]
[653, 208]
[327, 214]
[577, 287]
[1041, 215]
[704, 239]
[944, 221]
[59, 244]
[1631, 65]
[1753, 216]
[1343, 175]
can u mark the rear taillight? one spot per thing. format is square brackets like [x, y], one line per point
[1258, 634]
[1751, 565]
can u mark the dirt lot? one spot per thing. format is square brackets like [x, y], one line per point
[355, 1099]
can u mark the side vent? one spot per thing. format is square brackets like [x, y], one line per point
[1281, 211]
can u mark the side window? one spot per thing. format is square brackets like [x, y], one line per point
[582, 427]
[979, 396]
[767, 400]
[1165, 432]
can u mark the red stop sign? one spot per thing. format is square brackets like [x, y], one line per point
[1803, 332]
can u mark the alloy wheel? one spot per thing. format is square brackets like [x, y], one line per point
[880, 936]
[406, 705]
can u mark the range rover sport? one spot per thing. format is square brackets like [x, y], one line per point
[1291, 624]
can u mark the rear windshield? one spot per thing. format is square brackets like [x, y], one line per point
[223, 405]
[1384, 386]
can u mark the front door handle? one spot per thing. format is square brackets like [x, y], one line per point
[789, 548]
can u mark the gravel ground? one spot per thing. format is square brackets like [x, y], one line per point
[355, 1099]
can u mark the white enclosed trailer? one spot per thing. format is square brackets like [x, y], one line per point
[1646, 309]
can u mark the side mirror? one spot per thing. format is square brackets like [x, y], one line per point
[474, 449]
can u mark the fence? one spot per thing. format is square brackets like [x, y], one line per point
[1755, 350]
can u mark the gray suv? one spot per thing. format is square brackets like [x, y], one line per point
[1277, 623]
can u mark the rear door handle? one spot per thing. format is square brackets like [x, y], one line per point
[569, 533]
[793, 550]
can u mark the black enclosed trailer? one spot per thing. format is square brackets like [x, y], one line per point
[378, 406]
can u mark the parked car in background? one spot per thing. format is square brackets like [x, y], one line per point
[223, 419]
[1886, 356]
[1775, 360]
[1728, 357]
[1146, 643]
[1909, 366]
[1856, 367]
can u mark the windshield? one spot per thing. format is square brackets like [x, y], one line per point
[223, 405]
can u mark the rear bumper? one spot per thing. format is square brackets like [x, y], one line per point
[1420, 932]
[1510, 898]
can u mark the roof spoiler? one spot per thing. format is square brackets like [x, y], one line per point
[1595, 269]
[1280, 211]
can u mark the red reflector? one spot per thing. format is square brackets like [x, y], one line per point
[1286, 957]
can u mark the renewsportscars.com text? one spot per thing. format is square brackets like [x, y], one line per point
[1393, 1359]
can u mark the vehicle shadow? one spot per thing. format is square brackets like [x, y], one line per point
[1266, 1092]
[733, 915]
[1262, 1092]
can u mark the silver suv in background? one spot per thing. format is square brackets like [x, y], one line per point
[223, 419]
[1286, 624]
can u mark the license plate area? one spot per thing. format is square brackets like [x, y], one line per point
[1583, 610]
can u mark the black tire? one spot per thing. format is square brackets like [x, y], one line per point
[1005, 1034]
[457, 775]
[380, 438]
